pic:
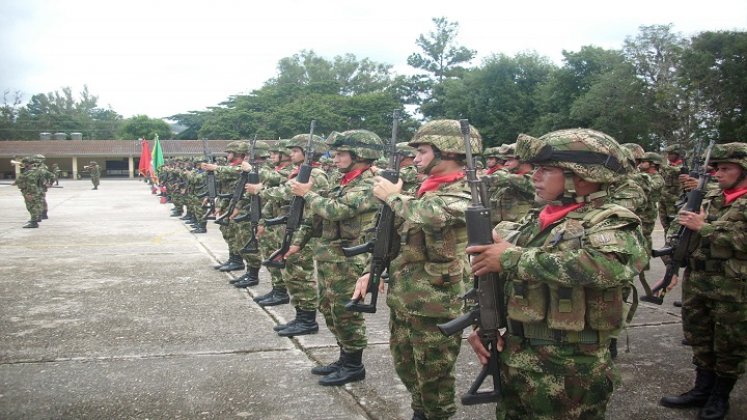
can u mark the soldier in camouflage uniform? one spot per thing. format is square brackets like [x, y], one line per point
[714, 295]
[345, 211]
[672, 186]
[298, 274]
[270, 237]
[30, 182]
[426, 279]
[567, 268]
[408, 173]
[510, 190]
[494, 160]
[226, 178]
[95, 171]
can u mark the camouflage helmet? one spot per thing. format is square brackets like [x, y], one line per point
[405, 150]
[279, 146]
[26, 159]
[673, 148]
[446, 136]
[233, 147]
[494, 152]
[37, 158]
[301, 140]
[652, 157]
[592, 155]
[93, 162]
[261, 149]
[362, 143]
[508, 151]
[635, 149]
[730, 153]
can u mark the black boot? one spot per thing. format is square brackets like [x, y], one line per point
[613, 348]
[718, 404]
[696, 397]
[44, 215]
[305, 324]
[176, 212]
[187, 216]
[200, 228]
[278, 296]
[419, 415]
[251, 278]
[330, 368]
[279, 327]
[31, 224]
[265, 296]
[235, 262]
[352, 370]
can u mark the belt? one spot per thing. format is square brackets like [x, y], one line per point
[538, 333]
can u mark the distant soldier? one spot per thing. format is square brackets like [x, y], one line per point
[567, 269]
[95, 171]
[714, 296]
[30, 182]
[672, 186]
[427, 277]
[408, 173]
[494, 160]
[511, 191]
[56, 171]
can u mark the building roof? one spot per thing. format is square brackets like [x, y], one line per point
[108, 148]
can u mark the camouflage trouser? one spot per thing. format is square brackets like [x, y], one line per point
[243, 233]
[33, 205]
[716, 331]
[298, 276]
[95, 181]
[528, 394]
[667, 211]
[336, 284]
[424, 360]
[229, 233]
[194, 207]
[269, 242]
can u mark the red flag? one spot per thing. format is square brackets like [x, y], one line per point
[144, 165]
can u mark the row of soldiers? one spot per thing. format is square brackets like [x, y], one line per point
[573, 212]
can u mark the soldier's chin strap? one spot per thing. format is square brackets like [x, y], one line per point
[569, 192]
[436, 160]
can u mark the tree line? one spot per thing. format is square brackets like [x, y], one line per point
[659, 88]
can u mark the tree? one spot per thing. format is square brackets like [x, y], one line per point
[8, 115]
[714, 70]
[141, 126]
[441, 59]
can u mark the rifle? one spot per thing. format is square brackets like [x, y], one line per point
[381, 245]
[679, 247]
[255, 204]
[488, 290]
[238, 193]
[212, 190]
[292, 220]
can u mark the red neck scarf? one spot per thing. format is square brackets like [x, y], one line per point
[551, 214]
[432, 183]
[493, 170]
[236, 162]
[350, 176]
[733, 193]
[298, 169]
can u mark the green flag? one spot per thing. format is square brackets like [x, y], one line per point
[157, 155]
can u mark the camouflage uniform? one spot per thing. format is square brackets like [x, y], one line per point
[427, 278]
[714, 295]
[95, 172]
[408, 174]
[226, 178]
[672, 189]
[298, 273]
[565, 286]
[345, 211]
[655, 184]
[511, 193]
[30, 183]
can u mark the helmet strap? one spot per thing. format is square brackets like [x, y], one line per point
[436, 160]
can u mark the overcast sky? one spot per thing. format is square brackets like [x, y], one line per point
[160, 58]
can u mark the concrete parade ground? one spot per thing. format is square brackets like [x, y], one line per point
[111, 309]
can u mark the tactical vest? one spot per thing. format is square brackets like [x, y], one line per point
[723, 266]
[554, 314]
[348, 230]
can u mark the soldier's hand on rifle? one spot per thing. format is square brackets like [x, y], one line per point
[691, 220]
[361, 287]
[291, 250]
[383, 188]
[209, 166]
[246, 166]
[260, 231]
[487, 258]
[688, 182]
[483, 355]
[253, 188]
[300, 189]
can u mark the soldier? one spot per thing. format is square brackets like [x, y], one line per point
[714, 303]
[95, 171]
[345, 212]
[511, 190]
[426, 279]
[494, 160]
[298, 274]
[56, 171]
[270, 237]
[672, 187]
[566, 274]
[408, 173]
[30, 183]
[649, 165]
